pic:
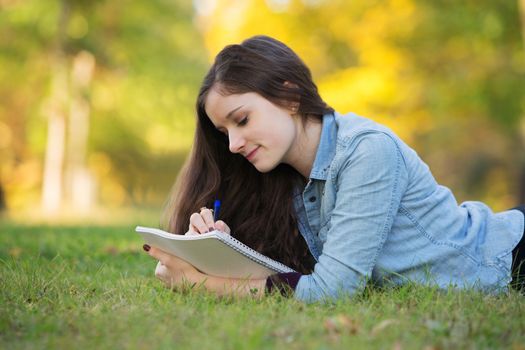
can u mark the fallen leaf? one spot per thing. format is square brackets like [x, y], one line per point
[341, 324]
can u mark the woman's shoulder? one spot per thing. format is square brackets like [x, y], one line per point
[351, 125]
[354, 130]
[359, 137]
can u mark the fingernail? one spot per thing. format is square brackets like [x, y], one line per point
[146, 247]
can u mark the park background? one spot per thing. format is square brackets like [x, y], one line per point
[97, 116]
[97, 97]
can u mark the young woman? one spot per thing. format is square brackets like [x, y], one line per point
[339, 198]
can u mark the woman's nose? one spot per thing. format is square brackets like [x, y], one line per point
[236, 142]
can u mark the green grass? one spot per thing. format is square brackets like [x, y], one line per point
[93, 288]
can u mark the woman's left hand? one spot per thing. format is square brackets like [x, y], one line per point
[176, 273]
[173, 271]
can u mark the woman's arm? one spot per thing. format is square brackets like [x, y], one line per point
[369, 185]
[175, 273]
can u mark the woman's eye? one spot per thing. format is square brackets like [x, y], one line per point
[243, 121]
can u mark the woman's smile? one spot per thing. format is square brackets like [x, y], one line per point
[251, 155]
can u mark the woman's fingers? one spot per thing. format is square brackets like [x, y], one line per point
[203, 222]
[172, 270]
[163, 257]
[163, 273]
[207, 216]
[197, 223]
[221, 226]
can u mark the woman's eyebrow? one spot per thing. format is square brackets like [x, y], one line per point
[233, 111]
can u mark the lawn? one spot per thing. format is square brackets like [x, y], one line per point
[93, 288]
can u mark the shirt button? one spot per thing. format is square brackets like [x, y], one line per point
[312, 199]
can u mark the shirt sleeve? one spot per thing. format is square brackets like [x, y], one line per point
[284, 283]
[369, 187]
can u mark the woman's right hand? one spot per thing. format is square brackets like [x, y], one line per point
[203, 222]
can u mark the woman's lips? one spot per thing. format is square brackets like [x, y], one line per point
[252, 153]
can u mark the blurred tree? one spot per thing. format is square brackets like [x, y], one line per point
[470, 55]
[446, 76]
[23, 82]
[129, 122]
[149, 66]
[57, 114]
[79, 179]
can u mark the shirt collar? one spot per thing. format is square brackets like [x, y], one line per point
[326, 149]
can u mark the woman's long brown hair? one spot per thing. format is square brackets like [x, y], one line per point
[258, 207]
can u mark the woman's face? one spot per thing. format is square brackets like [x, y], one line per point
[261, 131]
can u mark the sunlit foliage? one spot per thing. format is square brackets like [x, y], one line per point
[447, 76]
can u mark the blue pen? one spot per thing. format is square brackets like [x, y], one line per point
[216, 209]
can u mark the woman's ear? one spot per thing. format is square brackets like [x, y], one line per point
[293, 105]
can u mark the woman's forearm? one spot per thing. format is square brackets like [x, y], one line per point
[236, 287]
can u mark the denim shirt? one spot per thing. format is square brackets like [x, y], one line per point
[372, 210]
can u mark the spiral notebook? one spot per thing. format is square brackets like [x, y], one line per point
[215, 253]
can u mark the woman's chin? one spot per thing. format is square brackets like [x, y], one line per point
[264, 168]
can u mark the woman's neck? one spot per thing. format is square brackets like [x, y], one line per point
[302, 155]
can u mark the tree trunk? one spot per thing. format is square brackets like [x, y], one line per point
[57, 106]
[52, 180]
[3, 205]
[79, 181]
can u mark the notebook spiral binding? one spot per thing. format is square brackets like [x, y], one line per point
[261, 259]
